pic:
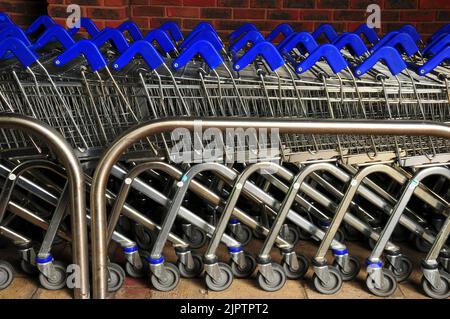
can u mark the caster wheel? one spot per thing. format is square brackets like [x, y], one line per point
[352, 272]
[226, 278]
[303, 264]
[244, 236]
[279, 279]
[59, 280]
[330, 287]
[144, 239]
[171, 281]
[133, 271]
[403, 271]
[257, 235]
[388, 286]
[442, 292]
[6, 274]
[28, 268]
[422, 245]
[303, 234]
[196, 269]
[247, 270]
[340, 236]
[116, 276]
[197, 239]
[292, 235]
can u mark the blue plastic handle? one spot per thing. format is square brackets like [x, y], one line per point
[4, 18]
[384, 40]
[389, 55]
[404, 43]
[143, 48]
[432, 43]
[435, 61]
[132, 28]
[205, 35]
[13, 31]
[443, 30]
[283, 28]
[327, 30]
[114, 36]
[88, 25]
[368, 32]
[327, 52]
[42, 21]
[411, 30]
[54, 33]
[246, 27]
[251, 36]
[264, 49]
[203, 48]
[173, 30]
[353, 43]
[201, 27]
[86, 48]
[19, 50]
[303, 39]
[437, 46]
[162, 38]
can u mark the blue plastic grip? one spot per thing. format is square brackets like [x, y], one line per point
[437, 46]
[304, 39]
[19, 50]
[206, 35]
[203, 48]
[173, 30]
[443, 30]
[246, 27]
[404, 42]
[326, 51]
[283, 28]
[411, 30]
[86, 48]
[114, 36]
[251, 36]
[353, 43]
[389, 55]
[42, 21]
[4, 18]
[88, 25]
[368, 32]
[13, 31]
[54, 33]
[384, 40]
[201, 27]
[327, 30]
[162, 38]
[265, 49]
[132, 28]
[434, 61]
[143, 48]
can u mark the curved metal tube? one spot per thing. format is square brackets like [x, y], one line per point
[67, 157]
[120, 145]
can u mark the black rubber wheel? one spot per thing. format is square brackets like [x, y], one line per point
[28, 268]
[59, 281]
[279, 279]
[299, 273]
[442, 292]
[352, 272]
[226, 278]
[330, 287]
[292, 235]
[196, 269]
[403, 271]
[244, 236]
[145, 240]
[197, 239]
[422, 245]
[6, 274]
[133, 271]
[171, 281]
[247, 270]
[388, 286]
[116, 277]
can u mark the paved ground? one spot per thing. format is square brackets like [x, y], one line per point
[27, 287]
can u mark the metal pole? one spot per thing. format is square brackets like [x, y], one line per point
[120, 145]
[67, 157]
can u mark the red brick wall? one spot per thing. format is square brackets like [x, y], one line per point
[226, 15]
[23, 12]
